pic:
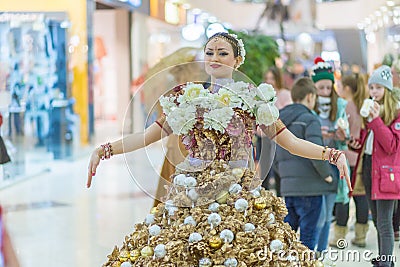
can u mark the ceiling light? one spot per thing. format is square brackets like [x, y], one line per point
[390, 3]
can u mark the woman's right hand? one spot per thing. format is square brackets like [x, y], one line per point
[93, 164]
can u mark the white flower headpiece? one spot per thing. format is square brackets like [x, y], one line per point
[241, 50]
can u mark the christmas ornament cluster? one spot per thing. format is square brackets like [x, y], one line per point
[214, 216]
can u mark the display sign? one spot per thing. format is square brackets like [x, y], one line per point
[135, 3]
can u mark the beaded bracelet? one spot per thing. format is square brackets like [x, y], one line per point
[107, 151]
[334, 156]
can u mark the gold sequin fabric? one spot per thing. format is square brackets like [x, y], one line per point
[259, 232]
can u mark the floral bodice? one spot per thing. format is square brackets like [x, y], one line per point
[219, 125]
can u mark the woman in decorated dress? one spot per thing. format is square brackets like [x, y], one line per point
[216, 213]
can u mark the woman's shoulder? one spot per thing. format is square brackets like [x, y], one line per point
[351, 107]
[341, 102]
[283, 91]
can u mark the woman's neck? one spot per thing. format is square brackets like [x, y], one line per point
[349, 97]
[221, 80]
[216, 83]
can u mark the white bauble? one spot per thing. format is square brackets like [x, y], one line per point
[149, 219]
[231, 262]
[205, 262]
[154, 230]
[213, 207]
[214, 219]
[180, 180]
[192, 194]
[190, 182]
[235, 188]
[241, 204]
[190, 220]
[171, 211]
[249, 227]
[227, 236]
[195, 237]
[159, 251]
[276, 245]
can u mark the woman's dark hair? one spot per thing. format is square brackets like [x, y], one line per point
[229, 38]
[277, 76]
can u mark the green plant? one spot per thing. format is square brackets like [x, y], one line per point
[261, 51]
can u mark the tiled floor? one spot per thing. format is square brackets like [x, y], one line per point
[55, 221]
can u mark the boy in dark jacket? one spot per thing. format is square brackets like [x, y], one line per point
[303, 181]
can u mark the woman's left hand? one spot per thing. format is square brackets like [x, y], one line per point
[375, 109]
[341, 164]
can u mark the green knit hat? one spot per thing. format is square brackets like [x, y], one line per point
[322, 71]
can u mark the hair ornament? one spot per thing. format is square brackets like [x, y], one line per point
[241, 50]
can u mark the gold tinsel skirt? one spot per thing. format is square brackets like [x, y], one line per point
[228, 221]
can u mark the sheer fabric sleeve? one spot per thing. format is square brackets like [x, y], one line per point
[274, 129]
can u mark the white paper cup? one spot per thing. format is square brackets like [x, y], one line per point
[366, 107]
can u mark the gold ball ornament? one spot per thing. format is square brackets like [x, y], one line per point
[215, 242]
[147, 251]
[260, 203]
[116, 264]
[154, 210]
[134, 255]
[318, 264]
[222, 197]
[123, 255]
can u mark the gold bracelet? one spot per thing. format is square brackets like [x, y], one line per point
[324, 152]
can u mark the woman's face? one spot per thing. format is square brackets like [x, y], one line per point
[219, 58]
[324, 87]
[376, 91]
[270, 78]
[343, 90]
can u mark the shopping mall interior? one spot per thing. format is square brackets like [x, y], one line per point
[76, 74]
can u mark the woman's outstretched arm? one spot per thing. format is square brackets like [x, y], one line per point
[126, 144]
[305, 149]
